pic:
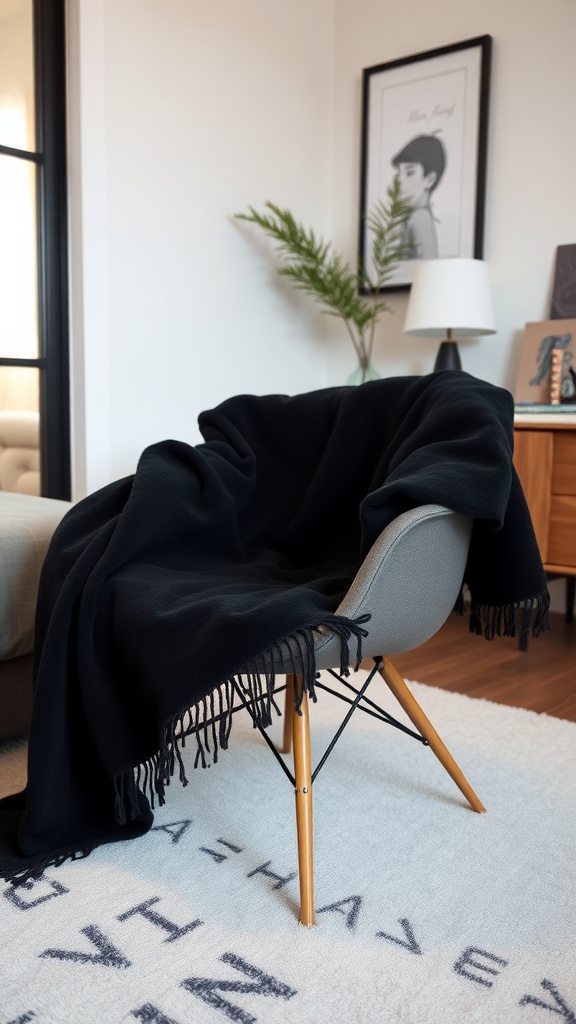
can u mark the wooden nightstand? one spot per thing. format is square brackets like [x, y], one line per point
[545, 460]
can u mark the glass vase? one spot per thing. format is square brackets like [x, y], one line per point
[362, 373]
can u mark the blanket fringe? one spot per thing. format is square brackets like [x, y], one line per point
[210, 720]
[21, 876]
[492, 621]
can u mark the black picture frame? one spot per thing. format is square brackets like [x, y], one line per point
[432, 109]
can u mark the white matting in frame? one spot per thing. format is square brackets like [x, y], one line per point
[426, 115]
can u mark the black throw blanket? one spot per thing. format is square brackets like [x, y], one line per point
[160, 590]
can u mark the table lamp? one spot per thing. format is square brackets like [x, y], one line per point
[449, 299]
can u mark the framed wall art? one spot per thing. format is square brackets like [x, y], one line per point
[425, 119]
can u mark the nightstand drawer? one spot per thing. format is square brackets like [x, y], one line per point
[564, 464]
[562, 535]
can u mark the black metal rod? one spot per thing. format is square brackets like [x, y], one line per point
[347, 718]
[280, 760]
[380, 715]
[354, 690]
[387, 716]
[341, 696]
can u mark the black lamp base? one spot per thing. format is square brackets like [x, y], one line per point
[448, 357]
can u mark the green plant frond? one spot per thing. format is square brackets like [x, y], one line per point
[314, 267]
[366, 285]
[386, 221]
[293, 240]
[334, 286]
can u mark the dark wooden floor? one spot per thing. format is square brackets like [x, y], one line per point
[541, 679]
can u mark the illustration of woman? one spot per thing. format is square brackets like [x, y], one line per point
[420, 166]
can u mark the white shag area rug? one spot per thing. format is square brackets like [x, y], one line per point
[427, 912]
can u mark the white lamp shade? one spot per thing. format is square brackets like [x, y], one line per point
[450, 294]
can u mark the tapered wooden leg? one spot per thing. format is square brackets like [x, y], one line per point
[417, 716]
[303, 777]
[288, 712]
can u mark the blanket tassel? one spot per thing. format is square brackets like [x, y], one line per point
[492, 621]
[21, 876]
[210, 720]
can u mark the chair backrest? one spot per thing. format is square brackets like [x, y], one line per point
[408, 583]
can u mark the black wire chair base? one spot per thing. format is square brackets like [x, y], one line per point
[360, 703]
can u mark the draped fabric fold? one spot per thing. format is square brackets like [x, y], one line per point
[164, 591]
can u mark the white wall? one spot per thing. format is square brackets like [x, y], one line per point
[530, 200]
[183, 113]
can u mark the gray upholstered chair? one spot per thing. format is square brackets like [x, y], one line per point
[408, 583]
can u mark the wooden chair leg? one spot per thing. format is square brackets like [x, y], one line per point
[410, 705]
[303, 777]
[288, 712]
